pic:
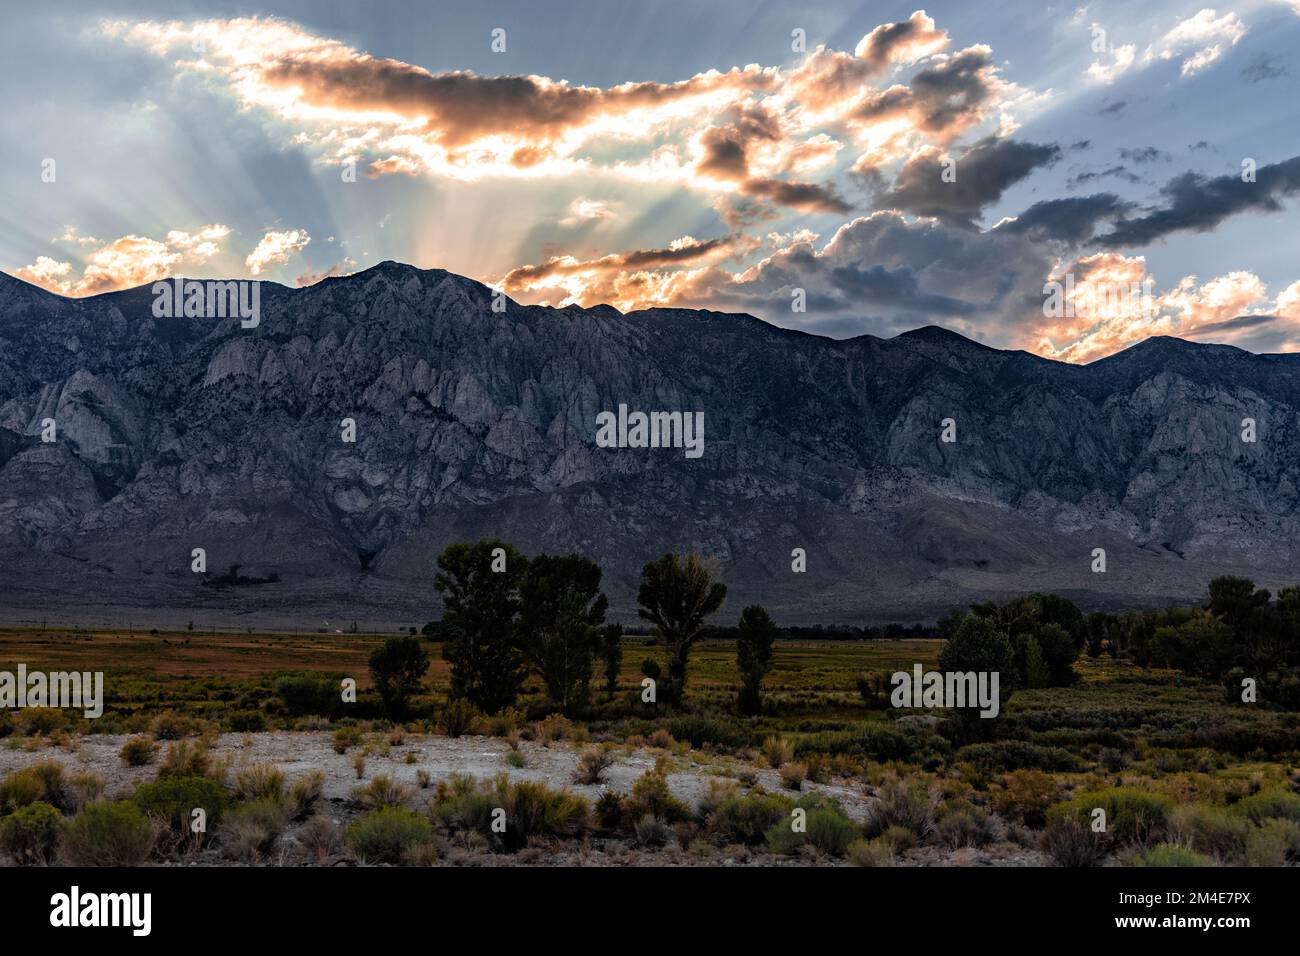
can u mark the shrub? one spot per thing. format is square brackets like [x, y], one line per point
[747, 818]
[966, 826]
[777, 751]
[1072, 842]
[609, 810]
[320, 838]
[39, 721]
[1018, 755]
[346, 736]
[84, 788]
[458, 718]
[171, 800]
[170, 725]
[877, 852]
[359, 765]
[516, 759]
[41, 781]
[1273, 843]
[31, 833]
[108, 834]
[382, 791]
[138, 751]
[650, 831]
[793, 775]
[387, 834]
[702, 730]
[250, 830]
[185, 759]
[650, 794]
[592, 766]
[1132, 816]
[1209, 830]
[873, 740]
[1170, 854]
[304, 794]
[826, 828]
[902, 805]
[1271, 805]
[261, 781]
[534, 809]
[310, 694]
[1026, 795]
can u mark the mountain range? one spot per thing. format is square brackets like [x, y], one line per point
[179, 433]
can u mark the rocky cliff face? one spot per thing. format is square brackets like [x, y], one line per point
[178, 433]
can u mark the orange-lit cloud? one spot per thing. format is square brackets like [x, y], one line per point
[125, 262]
[275, 248]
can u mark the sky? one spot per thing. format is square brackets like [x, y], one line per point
[1067, 179]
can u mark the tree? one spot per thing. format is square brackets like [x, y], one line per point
[677, 594]
[611, 652]
[977, 645]
[397, 670]
[756, 635]
[561, 610]
[1235, 600]
[480, 593]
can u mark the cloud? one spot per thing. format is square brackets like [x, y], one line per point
[1203, 35]
[125, 262]
[587, 210]
[275, 248]
[1197, 203]
[1073, 219]
[1122, 57]
[342, 268]
[1116, 305]
[753, 131]
[983, 173]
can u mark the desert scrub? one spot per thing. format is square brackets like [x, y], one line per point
[41, 782]
[320, 838]
[1006, 755]
[592, 765]
[250, 830]
[458, 718]
[345, 737]
[386, 835]
[359, 765]
[1270, 805]
[793, 775]
[108, 834]
[824, 827]
[1170, 854]
[777, 751]
[382, 791]
[1072, 842]
[1025, 797]
[1274, 843]
[516, 759]
[83, 789]
[185, 759]
[304, 793]
[746, 818]
[30, 833]
[172, 801]
[965, 825]
[260, 781]
[1209, 830]
[899, 804]
[534, 809]
[651, 795]
[138, 752]
[1131, 816]
[877, 852]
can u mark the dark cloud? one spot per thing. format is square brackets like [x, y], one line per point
[983, 173]
[1113, 109]
[1073, 220]
[1196, 203]
[1092, 175]
[1144, 154]
[808, 197]
[1263, 67]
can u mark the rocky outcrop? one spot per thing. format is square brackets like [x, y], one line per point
[180, 433]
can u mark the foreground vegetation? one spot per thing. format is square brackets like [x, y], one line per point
[1173, 727]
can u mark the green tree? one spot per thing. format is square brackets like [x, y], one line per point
[397, 670]
[755, 638]
[677, 593]
[561, 610]
[479, 583]
[977, 645]
[611, 653]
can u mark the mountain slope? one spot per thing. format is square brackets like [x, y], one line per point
[181, 433]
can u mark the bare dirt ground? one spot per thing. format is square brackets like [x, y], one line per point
[299, 753]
